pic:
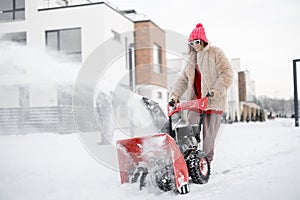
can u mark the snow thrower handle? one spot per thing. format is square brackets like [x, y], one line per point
[193, 105]
[172, 103]
[196, 105]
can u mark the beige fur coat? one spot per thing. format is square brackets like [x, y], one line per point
[216, 76]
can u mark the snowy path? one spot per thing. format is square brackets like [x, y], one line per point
[253, 161]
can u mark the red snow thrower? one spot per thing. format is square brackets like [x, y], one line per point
[166, 160]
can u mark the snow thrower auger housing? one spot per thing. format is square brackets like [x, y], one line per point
[168, 159]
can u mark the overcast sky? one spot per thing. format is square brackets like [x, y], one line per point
[264, 34]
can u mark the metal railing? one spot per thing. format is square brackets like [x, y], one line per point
[64, 3]
[36, 120]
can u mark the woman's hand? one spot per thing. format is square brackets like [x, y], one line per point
[173, 97]
[214, 94]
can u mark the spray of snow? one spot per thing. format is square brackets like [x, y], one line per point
[104, 115]
[25, 65]
[138, 113]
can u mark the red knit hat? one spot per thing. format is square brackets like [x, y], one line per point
[198, 33]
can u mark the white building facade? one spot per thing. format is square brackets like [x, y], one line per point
[233, 92]
[43, 45]
[73, 30]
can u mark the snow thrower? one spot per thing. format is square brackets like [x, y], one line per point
[169, 159]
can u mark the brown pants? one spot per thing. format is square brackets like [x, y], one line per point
[211, 125]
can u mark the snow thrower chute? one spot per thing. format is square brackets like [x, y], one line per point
[168, 159]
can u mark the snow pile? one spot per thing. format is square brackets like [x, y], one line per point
[253, 161]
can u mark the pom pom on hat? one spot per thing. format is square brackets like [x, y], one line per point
[198, 33]
[199, 25]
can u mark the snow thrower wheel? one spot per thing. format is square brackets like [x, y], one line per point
[199, 168]
[165, 179]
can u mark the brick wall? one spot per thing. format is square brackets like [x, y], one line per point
[242, 86]
[147, 34]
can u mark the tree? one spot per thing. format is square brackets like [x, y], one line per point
[248, 118]
[257, 115]
[277, 106]
[252, 117]
[229, 119]
[236, 117]
[242, 117]
[262, 116]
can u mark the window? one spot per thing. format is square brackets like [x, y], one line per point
[12, 10]
[157, 59]
[18, 37]
[67, 41]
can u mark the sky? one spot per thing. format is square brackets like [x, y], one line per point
[265, 35]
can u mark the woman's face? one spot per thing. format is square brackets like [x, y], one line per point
[196, 44]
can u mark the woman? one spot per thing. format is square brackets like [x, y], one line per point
[207, 71]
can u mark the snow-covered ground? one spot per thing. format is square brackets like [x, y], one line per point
[253, 161]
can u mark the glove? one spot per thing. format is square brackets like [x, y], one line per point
[214, 94]
[173, 97]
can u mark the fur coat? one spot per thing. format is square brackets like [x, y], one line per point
[216, 76]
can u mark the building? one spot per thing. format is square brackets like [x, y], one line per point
[233, 93]
[246, 87]
[150, 61]
[247, 97]
[175, 66]
[72, 31]
[64, 29]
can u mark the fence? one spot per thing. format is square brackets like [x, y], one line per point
[36, 119]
